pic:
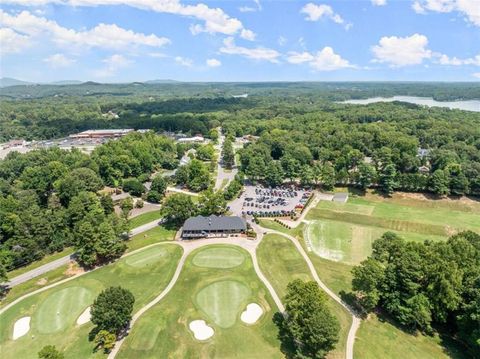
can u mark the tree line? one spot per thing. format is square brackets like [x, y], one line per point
[50, 198]
[423, 285]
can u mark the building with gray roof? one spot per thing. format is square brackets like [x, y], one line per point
[212, 226]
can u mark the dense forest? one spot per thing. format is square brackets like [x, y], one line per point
[423, 285]
[50, 198]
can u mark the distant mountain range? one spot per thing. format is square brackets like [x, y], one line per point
[8, 81]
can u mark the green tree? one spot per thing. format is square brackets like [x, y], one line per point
[50, 352]
[178, 208]
[387, 178]
[308, 328]
[105, 340]
[439, 182]
[212, 203]
[206, 152]
[112, 310]
[328, 176]
[367, 175]
[228, 155]
[78, 180]
[367, 279]
[159, 185]
[274, 174]
[307, 176]
[133, 186]
[126, 205]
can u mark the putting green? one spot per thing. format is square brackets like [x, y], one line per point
[61, 309]
[218, 257]
[222, 301]
[147, 257]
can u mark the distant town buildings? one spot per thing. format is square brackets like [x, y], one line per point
[114, 133]
[194, 139]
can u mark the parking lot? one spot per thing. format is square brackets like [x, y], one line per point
[265, 201]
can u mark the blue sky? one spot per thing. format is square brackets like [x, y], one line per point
[137, 40]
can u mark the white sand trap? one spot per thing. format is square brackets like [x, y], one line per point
[21, 327]
[252, 313]
[84, 317]
[201, 330]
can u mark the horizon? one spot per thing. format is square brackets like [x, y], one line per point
[122, 41]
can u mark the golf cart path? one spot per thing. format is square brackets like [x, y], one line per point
[355, 319]
[188, 247]
[66, 259]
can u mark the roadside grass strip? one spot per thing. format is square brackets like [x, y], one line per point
[201, 316]
[59, 315]
[218, 257]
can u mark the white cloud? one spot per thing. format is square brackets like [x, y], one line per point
[402, 51]
[299, 57]
[112, 65]
[324, 60]
[12, 42]
[455, 61]
[468, 8]
[248, 35]
[59, 60]
[258, 7]
[184, 61]
[102, 35]
[281, 40]
[257, 53]
[476, 74]
[214, 20]
[316, 12]
[379, 2]
[213, 63]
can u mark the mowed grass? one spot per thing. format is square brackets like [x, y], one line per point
[347, 242]
[219, 257]
[392, 215]
[144, 218]
[381, 339]
[152, 236]
[218, 296]
[281, 263]
[54, 312]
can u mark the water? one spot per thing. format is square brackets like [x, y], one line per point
[470, 105]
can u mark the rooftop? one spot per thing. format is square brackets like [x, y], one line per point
[214, 223]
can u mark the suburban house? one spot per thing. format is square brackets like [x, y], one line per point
[212, 226]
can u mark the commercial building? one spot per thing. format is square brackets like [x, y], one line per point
[114, 133]
[212, 226]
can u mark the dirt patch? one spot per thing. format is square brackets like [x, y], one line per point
[73, 269]
[42, 281]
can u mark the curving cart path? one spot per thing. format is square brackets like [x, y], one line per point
[250, 246]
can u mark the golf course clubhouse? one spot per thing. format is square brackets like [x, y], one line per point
[213, 226]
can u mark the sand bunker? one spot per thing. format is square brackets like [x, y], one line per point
[252, 313]
[21, 327]
[84, 317]
[201, 330]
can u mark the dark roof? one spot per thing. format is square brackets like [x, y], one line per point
[214, 223]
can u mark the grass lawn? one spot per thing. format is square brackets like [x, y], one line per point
[348, 242]
[281, 263]
[154, 235]
[144, 218]
[380, 339]
[31, 285]
[47, 259]
[219, 257]
[55, 311]
[216, 295]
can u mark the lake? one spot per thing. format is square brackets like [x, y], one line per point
[470, 105]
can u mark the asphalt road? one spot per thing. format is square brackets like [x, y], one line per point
[64, 260]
